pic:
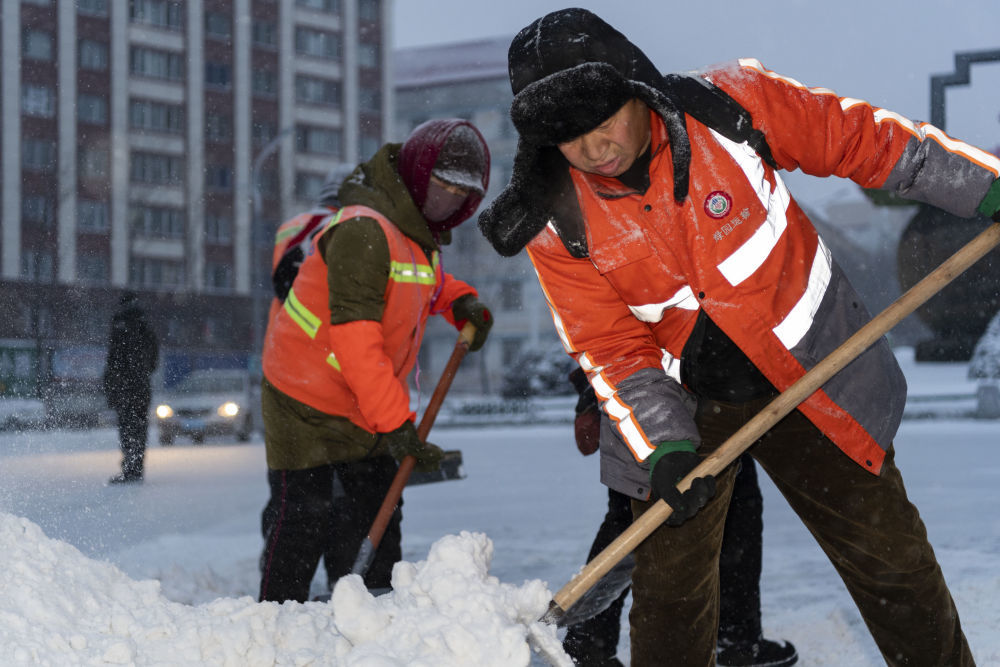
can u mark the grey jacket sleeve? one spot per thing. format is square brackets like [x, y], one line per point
[953, 181]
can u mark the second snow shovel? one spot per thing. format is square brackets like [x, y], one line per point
[787, 401]
[368, 546]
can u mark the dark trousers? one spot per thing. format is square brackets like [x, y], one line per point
[133, 428]
[304, 520]
[865, 524]
[595, 640]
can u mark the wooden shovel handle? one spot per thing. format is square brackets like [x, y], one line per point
[730, 450]
[406, 466]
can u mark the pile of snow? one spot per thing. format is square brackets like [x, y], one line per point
[444, 611]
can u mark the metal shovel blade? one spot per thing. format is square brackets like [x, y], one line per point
[600, 596]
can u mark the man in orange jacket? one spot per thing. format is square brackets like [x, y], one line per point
[691, 288]
[337, 355]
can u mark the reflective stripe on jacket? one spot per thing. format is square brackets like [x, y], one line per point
[298, 357]
[741, 248]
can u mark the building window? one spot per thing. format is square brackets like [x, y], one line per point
[368, 145]
[369, 99]
[264, 83]
[156, 116]
[308, 186]
[218, 228]
[267, 182]
[39, 101]
[368, 10]
[37, 210]
[38, 155]
[219, 177]
[37, 44]
[368, 55]
[510, 295]
[317, 43]
[91, 215]
[218, 276]
[160, 13]
[92, 7]
[218, 25]
[157, 222]
[156, 64]
[92, 162]
[320, 140]
[262, 132]
[218, 75]
[93, 55]
[92, 109]
[313, 90]
[156, 169]
[37, 265]
[218, 128]
[92, 269]
[264, 33]
[510, 352]
[331, 6]
[155, 273]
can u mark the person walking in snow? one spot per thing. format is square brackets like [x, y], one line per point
[594, 642]
[133, 352]
[690, 286]
[337, 355]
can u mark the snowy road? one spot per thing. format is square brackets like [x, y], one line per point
[194, 523]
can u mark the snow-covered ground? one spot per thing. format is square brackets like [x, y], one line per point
[166, 573]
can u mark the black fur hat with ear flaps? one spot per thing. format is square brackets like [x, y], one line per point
[570, 71]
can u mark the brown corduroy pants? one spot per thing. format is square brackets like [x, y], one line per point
[865, 524]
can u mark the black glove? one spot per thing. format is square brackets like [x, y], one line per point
[668, 465]
[404, 442]
[469, 308]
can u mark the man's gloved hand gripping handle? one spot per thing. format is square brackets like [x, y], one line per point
[404, 441]
[668, 465]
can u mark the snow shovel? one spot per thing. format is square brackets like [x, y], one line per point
[969, 254]
[368, 546]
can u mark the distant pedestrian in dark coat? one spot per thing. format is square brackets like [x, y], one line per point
[133, 352]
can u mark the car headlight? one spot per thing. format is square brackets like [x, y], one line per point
[228, 409]
[164, 411]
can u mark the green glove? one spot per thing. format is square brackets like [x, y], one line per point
[404, 441]
[668, 465]
[469, 308]
[990, 206]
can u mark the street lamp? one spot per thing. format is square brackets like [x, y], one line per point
[255, 169]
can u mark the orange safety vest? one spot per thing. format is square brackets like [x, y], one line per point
[300, 356]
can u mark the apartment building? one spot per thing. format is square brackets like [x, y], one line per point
[154, 146]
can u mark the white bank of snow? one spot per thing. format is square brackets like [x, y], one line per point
[61, 608]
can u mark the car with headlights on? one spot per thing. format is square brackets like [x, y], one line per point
[208, 403]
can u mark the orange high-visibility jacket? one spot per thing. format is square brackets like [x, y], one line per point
[740, 248]
[358, 369]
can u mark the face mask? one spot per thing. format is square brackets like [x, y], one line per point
[440, 203]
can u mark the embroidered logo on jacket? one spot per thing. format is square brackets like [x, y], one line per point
[717, 204]
[730, 226]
